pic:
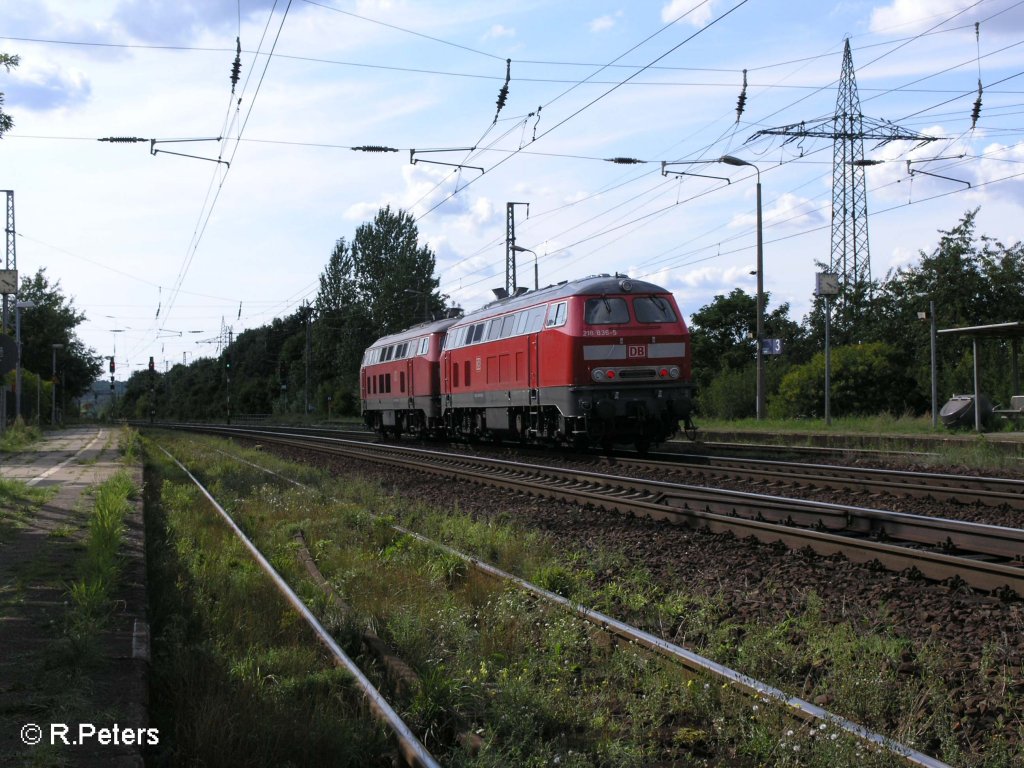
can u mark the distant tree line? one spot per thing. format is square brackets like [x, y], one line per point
[382, 280]
[379, 282]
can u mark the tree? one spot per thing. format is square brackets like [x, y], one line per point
[379, 283]
[393, 275]
[8, 62]
[341, 330]
[53, 321]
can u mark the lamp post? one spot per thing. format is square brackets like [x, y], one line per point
[536, 274]
[18, 306]
[730, 160]
[53, 389]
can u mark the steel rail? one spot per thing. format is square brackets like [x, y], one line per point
[794, 705]
[991, 491]
[415, 754]
[797, 523]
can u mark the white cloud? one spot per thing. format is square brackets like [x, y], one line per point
[698, 16]
[602, 23]
[907, 16]
[787, 210]
[498, 31]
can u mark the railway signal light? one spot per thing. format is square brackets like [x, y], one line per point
[152, 365]
[111, 365]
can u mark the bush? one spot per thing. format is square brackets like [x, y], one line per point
[866, 379]
[732, 394]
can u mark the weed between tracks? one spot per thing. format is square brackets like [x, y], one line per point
[240, 676]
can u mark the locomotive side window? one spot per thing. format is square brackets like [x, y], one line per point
[494, 330]
[558, 314]
[605, 311]
[653, 309]
[508, 322]
[521, 319]
[424, 345]
[478, 332]
[536, 319]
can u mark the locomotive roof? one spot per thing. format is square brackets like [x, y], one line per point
[597, 284]
[430, 326]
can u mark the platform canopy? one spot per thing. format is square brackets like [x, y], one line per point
[1014, 330]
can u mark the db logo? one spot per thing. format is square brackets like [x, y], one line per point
[637, 350]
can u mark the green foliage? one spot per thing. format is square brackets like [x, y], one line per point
[53, 321]
[972, 280]
[380, 282]
[732, 394]
[866, 379]
[8, 62]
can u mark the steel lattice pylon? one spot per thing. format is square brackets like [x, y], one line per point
[848, 128]
[851, 253]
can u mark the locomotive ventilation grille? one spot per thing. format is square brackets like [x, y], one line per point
[638, 373]
[635, 374]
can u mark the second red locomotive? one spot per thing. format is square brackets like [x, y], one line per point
[601, 360]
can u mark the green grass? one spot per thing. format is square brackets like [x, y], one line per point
[17, 502]
[884, 424]
[18, 437]
[534, 683]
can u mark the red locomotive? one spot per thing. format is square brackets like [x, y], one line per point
[600, 360]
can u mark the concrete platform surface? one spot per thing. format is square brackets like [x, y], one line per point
[65, 698]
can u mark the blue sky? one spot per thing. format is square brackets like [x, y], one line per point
[127, 232]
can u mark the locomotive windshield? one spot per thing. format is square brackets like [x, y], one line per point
[653, 309]
[605, 311]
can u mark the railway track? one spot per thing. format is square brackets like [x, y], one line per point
[961, 489]
[413, 752]
[983, 556]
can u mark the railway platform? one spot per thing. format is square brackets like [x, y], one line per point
[68, 697]
[1008, 443]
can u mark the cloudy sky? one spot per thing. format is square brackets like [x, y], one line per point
[162, 252]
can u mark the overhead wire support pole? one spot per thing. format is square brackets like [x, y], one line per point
[510, 245]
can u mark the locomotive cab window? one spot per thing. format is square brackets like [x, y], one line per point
[557, 314]
[606, 311]
[653, 309]
[508, 322]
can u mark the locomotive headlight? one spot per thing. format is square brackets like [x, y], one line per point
[673, 372]
[598, 374]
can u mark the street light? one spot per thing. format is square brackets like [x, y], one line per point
[18, 306]
[730, 160]
[536, 274]
[53, 386]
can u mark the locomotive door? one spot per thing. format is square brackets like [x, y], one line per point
[410, 390]
[533, 368]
